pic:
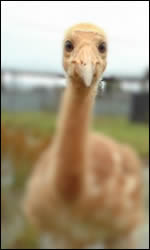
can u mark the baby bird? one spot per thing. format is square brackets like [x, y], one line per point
[86, 188]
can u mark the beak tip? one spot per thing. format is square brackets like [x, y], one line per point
[87, 74]
[87, 83]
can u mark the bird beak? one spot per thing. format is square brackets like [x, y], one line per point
[86, 73]
[85, 66]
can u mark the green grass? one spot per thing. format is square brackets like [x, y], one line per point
[43, 124]
[136, 135]
[28, 239]
[36, 122]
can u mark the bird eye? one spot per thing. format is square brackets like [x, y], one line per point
[102, 47]
[68, 46]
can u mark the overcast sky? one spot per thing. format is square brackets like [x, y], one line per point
[32, 32]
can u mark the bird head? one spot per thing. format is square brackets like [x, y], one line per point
[85, 53]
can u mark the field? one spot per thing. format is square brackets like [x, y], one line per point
[43, 125]
[23, 137]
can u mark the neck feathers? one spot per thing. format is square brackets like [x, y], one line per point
[72, 139]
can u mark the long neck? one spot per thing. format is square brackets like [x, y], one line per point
[72, 138]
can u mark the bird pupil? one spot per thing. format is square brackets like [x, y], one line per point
[69, 46]
[102, 47]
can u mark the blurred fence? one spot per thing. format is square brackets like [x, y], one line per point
[28, 101]
[115, 103]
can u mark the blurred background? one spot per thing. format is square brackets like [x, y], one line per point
[32, 82]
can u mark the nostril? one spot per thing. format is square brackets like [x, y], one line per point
[82, 62]
[97, 62]
[73, 61]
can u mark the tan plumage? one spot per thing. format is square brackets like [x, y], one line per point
[86, 188]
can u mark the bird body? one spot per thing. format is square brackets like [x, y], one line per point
[86, 187]
[108, 205]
